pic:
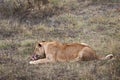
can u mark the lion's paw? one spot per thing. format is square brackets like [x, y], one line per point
[32, 62]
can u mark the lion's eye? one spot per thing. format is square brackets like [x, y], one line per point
[39, 45]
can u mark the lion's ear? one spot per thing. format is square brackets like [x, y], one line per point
[39, 45]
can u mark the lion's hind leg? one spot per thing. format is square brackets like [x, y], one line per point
[87, 54]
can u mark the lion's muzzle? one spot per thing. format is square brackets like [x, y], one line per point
[36, 57]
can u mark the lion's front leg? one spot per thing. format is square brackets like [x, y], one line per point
[40, 61]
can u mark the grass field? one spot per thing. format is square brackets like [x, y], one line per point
[95, 22]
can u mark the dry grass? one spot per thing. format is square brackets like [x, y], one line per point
[89, 21]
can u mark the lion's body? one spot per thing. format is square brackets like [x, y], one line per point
[69, 52]
[59, 52]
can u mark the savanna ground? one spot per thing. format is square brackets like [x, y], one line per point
[23, 22]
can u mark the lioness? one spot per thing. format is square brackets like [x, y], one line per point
[55, 51]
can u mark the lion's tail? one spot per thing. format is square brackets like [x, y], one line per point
[108, 57]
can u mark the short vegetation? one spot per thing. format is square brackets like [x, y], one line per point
[23, 22]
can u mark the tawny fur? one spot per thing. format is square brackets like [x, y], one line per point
[59, 52]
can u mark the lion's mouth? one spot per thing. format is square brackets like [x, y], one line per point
[36, 57]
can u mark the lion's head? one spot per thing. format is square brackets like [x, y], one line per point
[39, 51]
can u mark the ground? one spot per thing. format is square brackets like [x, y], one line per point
[95, 22]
